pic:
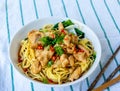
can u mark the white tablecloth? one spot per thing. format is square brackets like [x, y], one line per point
[103, 16]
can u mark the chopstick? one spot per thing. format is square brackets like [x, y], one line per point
[107, 84]
[103, 70]
[112, 74]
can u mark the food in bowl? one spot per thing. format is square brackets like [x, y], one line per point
[55, 55]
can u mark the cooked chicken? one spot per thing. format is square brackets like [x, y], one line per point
[43, 56]
[83, 48]
[76, 74]
[60, 26]
[38, 52]
[70, 48]
[64, 60]
[57, 64]
[35, 67]
[33, 37]
[67, 40]
[65, 63]
[79, 56]
[50, 54]
[71, 69]
[74, 39]
[43, 60]
[71, 60]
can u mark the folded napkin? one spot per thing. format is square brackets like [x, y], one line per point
[102, 16]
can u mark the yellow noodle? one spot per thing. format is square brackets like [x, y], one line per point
[85, 43]
[57, 75]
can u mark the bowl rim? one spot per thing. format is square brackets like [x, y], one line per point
[87, 74]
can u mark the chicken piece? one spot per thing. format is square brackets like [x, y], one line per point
[43, 56]
[35, 67]
[79, 56]
[63, 47]
[64, 60]
[74, 39]
[65, 63]
[33, 37]
[50, 54]
[57, 64]
[38, 52]
[71, 70]
[63, 56]
[71, 60]
[76, 74]
[67, 40]
[45, 52]
[40, 57]
[83, 48]
[70, 48]
[43, 60]
[60, 26]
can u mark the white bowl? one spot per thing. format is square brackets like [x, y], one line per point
[37, 24]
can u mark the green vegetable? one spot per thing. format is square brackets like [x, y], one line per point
[65, 24]
[25, 38]
[50, 63]
[49, 41]
[94, 55]
[46, 40]
[55, 27]
[45, 81]
[79, 33]
[59, 50]
[54, 41]
[58, 39]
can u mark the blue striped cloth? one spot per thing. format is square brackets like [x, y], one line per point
[102, 16]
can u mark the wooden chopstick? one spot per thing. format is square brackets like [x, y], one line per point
[107, 84]
[103, 70]
[112, 74]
